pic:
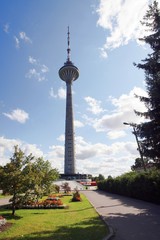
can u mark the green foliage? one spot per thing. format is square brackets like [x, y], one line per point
[99, 178]
[12, 176]
[57, 188]
[144, 186]
[40, 177]
[138, 165]
[26, 175]
[149, 131]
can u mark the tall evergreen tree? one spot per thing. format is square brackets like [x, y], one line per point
[149, 130]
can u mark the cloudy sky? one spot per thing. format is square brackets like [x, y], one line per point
[104, 44]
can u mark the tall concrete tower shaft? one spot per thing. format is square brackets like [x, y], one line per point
[69, 73]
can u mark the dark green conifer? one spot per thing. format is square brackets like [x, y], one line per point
[149, 130]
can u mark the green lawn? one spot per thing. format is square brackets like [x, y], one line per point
[80, 221]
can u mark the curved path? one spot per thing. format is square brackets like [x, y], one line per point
[130, 219]
[4, 201]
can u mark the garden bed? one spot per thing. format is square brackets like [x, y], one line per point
[44, 206]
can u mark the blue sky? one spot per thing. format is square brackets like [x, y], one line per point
[104, 44]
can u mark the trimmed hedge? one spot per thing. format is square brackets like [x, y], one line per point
[144, 186]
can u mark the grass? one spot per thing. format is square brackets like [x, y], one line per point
[80, 221]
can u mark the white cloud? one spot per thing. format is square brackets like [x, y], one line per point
[128, 101]
[7, 148]
[18, 115]
[113, 159]
[32, 73]
[61, 93]
[31, 148]
[52, 93]
[32, 60]
[94, 105]
[122, 20]
[17, 42]
[24, 37]
[44, 69]
[123, 111]
[103, 52]
[56, 157]
[78, 124]
[105, 159]
[96, 158]
[39, 70]
[6, 28]
[116, 134]
[61, 138]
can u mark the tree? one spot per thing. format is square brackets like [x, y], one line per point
[12, 177]
[99, 178]
[65, 186]
[40, 177]
[25, 175]
[138, 165]
[149, 130]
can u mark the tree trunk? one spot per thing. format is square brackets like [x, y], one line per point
[14, 204]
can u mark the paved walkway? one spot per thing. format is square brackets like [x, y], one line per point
[130, 219]
[72, 184]
[4, 201]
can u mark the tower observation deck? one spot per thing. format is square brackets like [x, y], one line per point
[69, 73]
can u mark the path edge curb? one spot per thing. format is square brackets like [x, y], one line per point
[111, 231]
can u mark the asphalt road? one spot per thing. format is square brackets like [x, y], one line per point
[129, 218]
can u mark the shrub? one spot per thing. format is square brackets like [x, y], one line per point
[144, 185]
[57, 188]
[76, 196]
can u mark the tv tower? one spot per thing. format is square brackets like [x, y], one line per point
[69, 73]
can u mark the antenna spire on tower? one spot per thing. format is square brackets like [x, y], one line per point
[68, 49]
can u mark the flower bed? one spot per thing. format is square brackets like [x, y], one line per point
[51, 202]
[44, 206]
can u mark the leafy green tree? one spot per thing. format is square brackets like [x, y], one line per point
[40, 177]
[12, 177]
[149, 130]
[26, 175]
[99, 178]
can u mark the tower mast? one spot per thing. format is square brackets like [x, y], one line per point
[69, 73]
